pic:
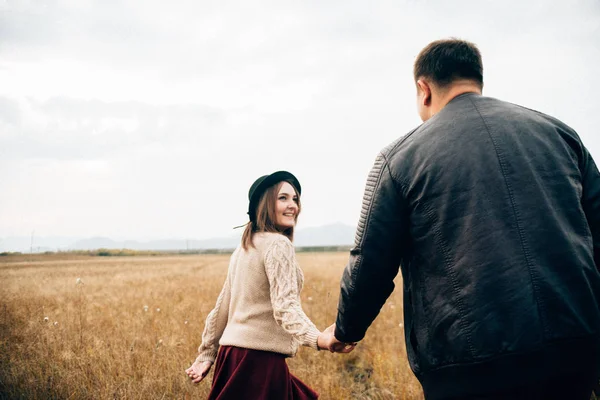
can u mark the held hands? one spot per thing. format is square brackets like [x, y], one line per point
[327, 340]
[198, 371]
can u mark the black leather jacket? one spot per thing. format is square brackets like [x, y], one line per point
[492, 211]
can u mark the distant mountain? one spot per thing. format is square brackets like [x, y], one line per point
[328, 235]
[96, 243]
[39, 244]
[167, 244]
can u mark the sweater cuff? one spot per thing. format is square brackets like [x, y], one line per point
[207, 356]
[311, 338]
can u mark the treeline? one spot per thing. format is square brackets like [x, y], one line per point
[322, 249]
[133, 253]
[120, 252]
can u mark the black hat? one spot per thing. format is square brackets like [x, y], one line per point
[263, 183]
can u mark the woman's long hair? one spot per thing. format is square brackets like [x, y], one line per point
[266, 215]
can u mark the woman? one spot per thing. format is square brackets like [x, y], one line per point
[258, 319]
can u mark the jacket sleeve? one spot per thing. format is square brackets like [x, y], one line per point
[591, 200]
[215, 325]
[281, 268]
[368, 279]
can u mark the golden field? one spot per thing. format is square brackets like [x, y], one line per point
[77, 327]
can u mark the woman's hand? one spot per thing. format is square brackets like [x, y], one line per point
[198, 371]
[327, 340]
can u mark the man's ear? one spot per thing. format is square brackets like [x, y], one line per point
[425, 92]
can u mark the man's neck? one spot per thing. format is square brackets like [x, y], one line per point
[456, 89]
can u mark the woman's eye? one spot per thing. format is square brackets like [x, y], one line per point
[282, 198]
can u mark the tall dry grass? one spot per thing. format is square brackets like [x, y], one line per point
[130, 327]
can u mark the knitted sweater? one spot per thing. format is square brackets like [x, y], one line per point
[259, 305]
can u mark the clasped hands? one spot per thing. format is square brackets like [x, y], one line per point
[328, 341]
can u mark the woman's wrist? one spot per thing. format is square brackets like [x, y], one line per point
[321, 345]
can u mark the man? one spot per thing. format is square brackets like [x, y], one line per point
[492, 211]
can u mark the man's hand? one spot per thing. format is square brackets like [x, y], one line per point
[198, 371]
[327, 340]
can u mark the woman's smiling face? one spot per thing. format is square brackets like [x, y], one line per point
[286, 207]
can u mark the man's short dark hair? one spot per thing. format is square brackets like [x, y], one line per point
[444, 61]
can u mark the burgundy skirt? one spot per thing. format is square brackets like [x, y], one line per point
[255, 375]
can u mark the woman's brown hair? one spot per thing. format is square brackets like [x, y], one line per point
[266, 216]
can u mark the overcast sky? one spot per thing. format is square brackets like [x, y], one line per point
[151, 119]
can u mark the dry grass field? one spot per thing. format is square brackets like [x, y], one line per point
[127, 327]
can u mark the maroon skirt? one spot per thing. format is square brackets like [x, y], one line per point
[255, 375]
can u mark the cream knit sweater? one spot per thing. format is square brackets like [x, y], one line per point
[259, 305]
